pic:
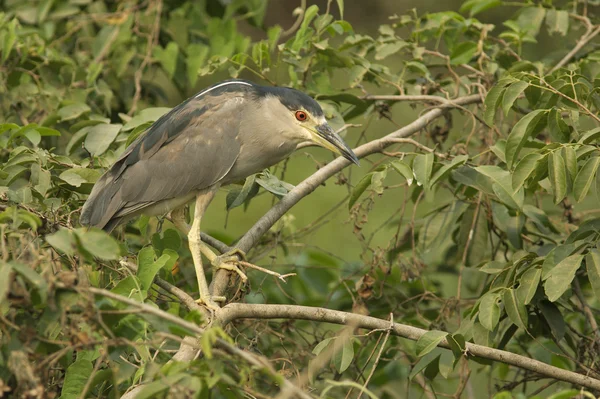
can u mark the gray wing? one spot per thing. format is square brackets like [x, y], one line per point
[188, 149]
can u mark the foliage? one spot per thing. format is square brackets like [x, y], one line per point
[491, 230]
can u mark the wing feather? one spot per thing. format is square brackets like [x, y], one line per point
[189, 149]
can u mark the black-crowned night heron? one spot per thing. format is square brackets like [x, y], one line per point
[220, 136]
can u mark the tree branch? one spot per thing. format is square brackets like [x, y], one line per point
[585, 39]
[236, 311]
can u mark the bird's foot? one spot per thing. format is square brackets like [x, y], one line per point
[230, 260]
[210, 302]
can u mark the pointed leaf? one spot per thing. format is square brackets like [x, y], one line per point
[429, 341]
[557, 175]
[491, 103]
[585, 177]
[520, 134]
[554, 319]
[592, 264]
[422, 168]
[516, 311]
[511, 94]
[489, 311]
[560, 277]
[528, 284]
[525, 168]
[405, 170]
[502, 186]
[557, 21]
[359, 189]
[344, 355]
[447, 168]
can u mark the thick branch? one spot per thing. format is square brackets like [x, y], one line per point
[236, 311]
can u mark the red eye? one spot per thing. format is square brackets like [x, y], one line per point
[301, 116]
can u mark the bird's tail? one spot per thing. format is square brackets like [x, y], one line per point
[103, 203]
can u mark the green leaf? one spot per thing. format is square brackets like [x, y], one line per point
[5, 282]
[98, 243]
[322, 345]
[560, 132]
[196, 58]
[442, 172]
[491, 103]
[100, 137]
[340, 4]
[63, 241]
[530, 20]
[236, 198]
[585, 177]
[272, 184]
[387, 49]
[590, 136]
[32, 277]
[570, 158]
[526, 166]
[405, 170]
[145, 115]
[489, 310]
[476, 6]
[511, 94]
[424, 362]
[359, 189]
[557, 21]
[557, 175]
[167, 57]
[104, 40]
[77, 176]
[10, 38]
[148, 267]
[528, 284]
[592, 264]
[514, 309]
[344, 355]
[422, 168]
[554, 319]
[502, 186]
[463, 53]
[73, 111]
[76, 377]
[520, 133]
[471, 177]
[429, 341]
[560, 277]
[356, 75]
[458, 346]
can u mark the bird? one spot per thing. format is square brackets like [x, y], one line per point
[221, 135]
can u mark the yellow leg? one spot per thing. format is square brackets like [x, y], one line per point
[225, 261]
[195, 243]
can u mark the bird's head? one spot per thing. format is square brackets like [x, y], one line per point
[301, 118]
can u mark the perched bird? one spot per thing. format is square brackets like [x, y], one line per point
[221, 135]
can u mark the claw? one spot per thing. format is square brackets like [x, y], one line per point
[210, 302]
[230, 261]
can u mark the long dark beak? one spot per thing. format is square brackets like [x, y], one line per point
[336, 144]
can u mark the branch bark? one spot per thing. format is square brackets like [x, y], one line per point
[236, 311]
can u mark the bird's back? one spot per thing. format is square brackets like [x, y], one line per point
[188, 149]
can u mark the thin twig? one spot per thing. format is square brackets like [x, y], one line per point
[282, 277]
[376, 362]
[585, 39]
